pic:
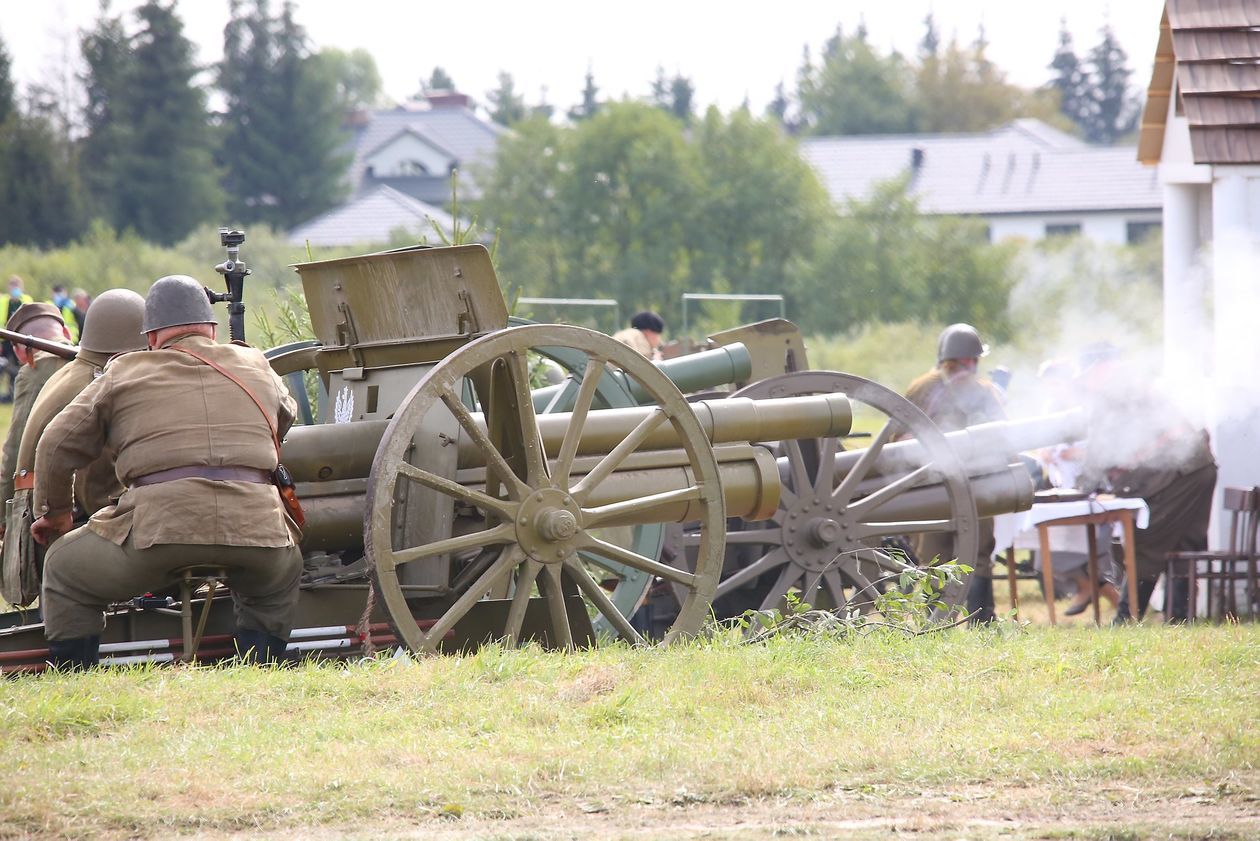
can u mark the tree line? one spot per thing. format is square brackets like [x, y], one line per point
[854, 87]
[644, 198]
[144, 151]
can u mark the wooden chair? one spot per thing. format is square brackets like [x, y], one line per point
[1222, 567]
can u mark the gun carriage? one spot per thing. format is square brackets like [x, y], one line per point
[453, 499]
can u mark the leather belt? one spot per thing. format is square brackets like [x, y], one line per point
[24, 480]
[215, 474]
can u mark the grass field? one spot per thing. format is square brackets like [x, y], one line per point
[1126, 733]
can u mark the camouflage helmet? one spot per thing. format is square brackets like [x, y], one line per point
[113, 323]
[960, 341]
[176, 299]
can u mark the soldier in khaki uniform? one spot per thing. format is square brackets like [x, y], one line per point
[119, 314]
[643, 334]
[196, 453]
[42, 321]
[954, 396]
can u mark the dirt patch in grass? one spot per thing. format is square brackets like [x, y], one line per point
[992, 810]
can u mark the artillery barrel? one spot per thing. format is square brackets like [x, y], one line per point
[750, 487]
[695, 372]
[999, 492]
[333, 452]
[982, 448]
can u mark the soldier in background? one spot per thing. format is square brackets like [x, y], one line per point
[195, 426]
[118, 315]
[644, 334]
[955, 396]
[82, 300]
[44, 322]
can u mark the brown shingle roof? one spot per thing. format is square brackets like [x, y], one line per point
[1211, 50]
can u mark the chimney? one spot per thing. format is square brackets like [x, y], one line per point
[448, 99]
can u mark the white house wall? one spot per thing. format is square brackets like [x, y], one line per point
[1106, 227]
[395, 158]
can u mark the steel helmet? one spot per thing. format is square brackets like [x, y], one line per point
[176, 299]
[960, 341]
[113, 323]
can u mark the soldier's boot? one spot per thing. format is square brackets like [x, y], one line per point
[74, 655]
[980, 599]
[258, 647]
[1123, 613]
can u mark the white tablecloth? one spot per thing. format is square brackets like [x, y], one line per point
[1020, 529]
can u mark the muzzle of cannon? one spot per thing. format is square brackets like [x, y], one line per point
[980, 448]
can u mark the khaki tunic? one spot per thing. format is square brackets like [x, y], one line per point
[30, 381]
[95, 486]
[635, 339]
[163, 409]
[958, 401]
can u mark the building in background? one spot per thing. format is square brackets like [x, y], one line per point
[400, 174]
[1025, 179]
[1201, 134]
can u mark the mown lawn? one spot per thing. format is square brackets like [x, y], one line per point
[1002, 732]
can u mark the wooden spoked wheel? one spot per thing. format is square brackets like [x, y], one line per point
[629, 586]
[540, 528]
[828, 540]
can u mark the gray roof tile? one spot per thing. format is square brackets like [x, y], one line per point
[1024, 167]
[369, 219]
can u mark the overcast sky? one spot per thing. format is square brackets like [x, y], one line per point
[731, 50]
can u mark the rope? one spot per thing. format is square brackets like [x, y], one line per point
[364, 629]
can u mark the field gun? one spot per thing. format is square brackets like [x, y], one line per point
[453, 498]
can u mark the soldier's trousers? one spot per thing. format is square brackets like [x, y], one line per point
[84, 573]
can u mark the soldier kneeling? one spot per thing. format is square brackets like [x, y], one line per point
[195, 427]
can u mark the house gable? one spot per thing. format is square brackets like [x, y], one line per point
[409, 153]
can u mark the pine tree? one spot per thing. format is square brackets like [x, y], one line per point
[589, 104]
[40, 200]
[148, 156]
[7, 98]
[1114, 110]
[777, 108]
[506, 105]
[856, 89]
[1069, 79]
[682, 94]
[931, 43]
[439, 80]
[283, 135]
[107, 54]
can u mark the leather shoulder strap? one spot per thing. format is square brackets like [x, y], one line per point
[275, 437]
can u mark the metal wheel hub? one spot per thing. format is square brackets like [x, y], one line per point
[548, 525]
[815, 531]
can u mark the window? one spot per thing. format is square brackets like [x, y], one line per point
[406, 168]
[1135, 232]
[1063, 229]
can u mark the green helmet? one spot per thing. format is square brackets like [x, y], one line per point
[176, 299]
[113, 323]
[960, 341]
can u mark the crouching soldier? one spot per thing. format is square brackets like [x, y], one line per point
[118, 315]
[195, 428]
